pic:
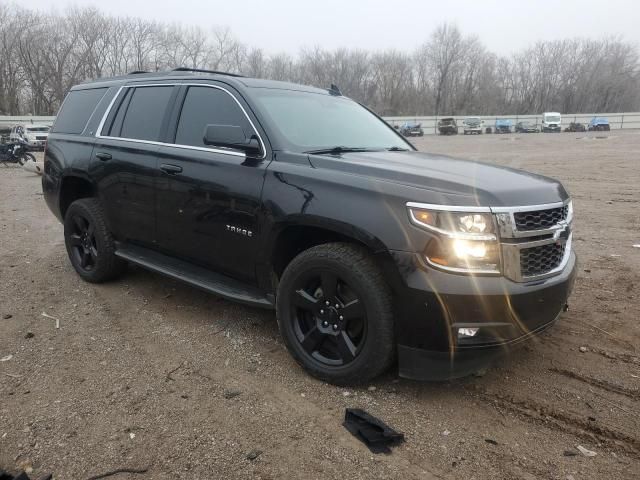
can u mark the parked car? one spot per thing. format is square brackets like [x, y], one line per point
[448, 126]
[472, 125]
[503, 125]
[526, 126]
[411, 129]
[34, 135]
[551, 122]
[298, 199]
[599, 124]
[575, 127]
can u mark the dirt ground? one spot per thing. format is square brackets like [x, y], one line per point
[146, 373]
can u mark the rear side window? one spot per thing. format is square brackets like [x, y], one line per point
[76, 110]
[208, 106]
[145, 113]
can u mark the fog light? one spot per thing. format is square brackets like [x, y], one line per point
[467, 332]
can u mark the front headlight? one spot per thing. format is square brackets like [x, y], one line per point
[465, 242]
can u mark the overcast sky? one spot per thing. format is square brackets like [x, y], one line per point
[287, 25]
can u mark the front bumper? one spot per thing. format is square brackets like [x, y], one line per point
[433, 305]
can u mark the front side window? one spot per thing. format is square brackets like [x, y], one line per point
[311, 121]
[145, 112]
[208, 106]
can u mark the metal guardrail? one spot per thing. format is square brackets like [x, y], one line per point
[8, 121]
[430, 123]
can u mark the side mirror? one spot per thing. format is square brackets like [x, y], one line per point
[231, 136]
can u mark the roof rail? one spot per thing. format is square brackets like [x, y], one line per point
[137, 72]
[200, 70]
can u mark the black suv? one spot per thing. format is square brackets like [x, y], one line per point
[299, 199]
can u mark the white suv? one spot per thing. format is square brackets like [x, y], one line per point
[35, 135]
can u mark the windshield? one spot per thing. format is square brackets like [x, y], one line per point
[313, 121]
[552, 119]
[38, 129]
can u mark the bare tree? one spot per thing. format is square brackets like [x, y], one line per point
[43, 55]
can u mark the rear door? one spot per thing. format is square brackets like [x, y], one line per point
[125, 160]
[208, 197]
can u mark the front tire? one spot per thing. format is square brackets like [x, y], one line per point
[335, 314]
[90, 245]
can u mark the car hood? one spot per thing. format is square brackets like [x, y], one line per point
[439, 178]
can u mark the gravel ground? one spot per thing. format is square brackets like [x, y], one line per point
[145, 373]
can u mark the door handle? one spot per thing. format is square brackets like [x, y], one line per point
[170, 169]
[103, 156]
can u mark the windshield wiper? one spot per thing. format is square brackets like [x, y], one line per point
[337, 150]
[397, 149]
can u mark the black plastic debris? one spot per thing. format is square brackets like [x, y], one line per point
[374, 433]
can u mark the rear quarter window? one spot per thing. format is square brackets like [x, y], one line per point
[77, 109]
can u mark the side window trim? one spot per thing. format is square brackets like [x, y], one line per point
[175, 111]
[115, 123]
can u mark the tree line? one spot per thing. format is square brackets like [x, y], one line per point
[43, 54]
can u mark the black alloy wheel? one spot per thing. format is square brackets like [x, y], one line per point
[335, 313]
[90, 244]
[329, 318]
[82, 241]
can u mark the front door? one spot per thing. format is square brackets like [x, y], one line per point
[209, 198]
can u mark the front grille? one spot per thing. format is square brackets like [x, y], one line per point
[41, 138]
[540, 260]
[540, 219]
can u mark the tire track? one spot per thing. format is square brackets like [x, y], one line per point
[603, 384]
[620, 357]
[540, 414]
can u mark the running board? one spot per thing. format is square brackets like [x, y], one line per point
[202, 278]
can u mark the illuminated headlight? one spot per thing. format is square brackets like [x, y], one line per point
[465, 242]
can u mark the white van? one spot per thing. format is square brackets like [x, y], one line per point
[35, 135]
[551, 122]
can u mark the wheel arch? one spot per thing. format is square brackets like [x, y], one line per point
[74, 187]
[291, 238]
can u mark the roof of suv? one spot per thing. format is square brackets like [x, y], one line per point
[186, 75]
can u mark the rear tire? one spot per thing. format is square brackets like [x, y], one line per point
[335, 314]
[90, 245]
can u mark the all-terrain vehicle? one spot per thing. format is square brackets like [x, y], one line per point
[15, 152]
[298, 199]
